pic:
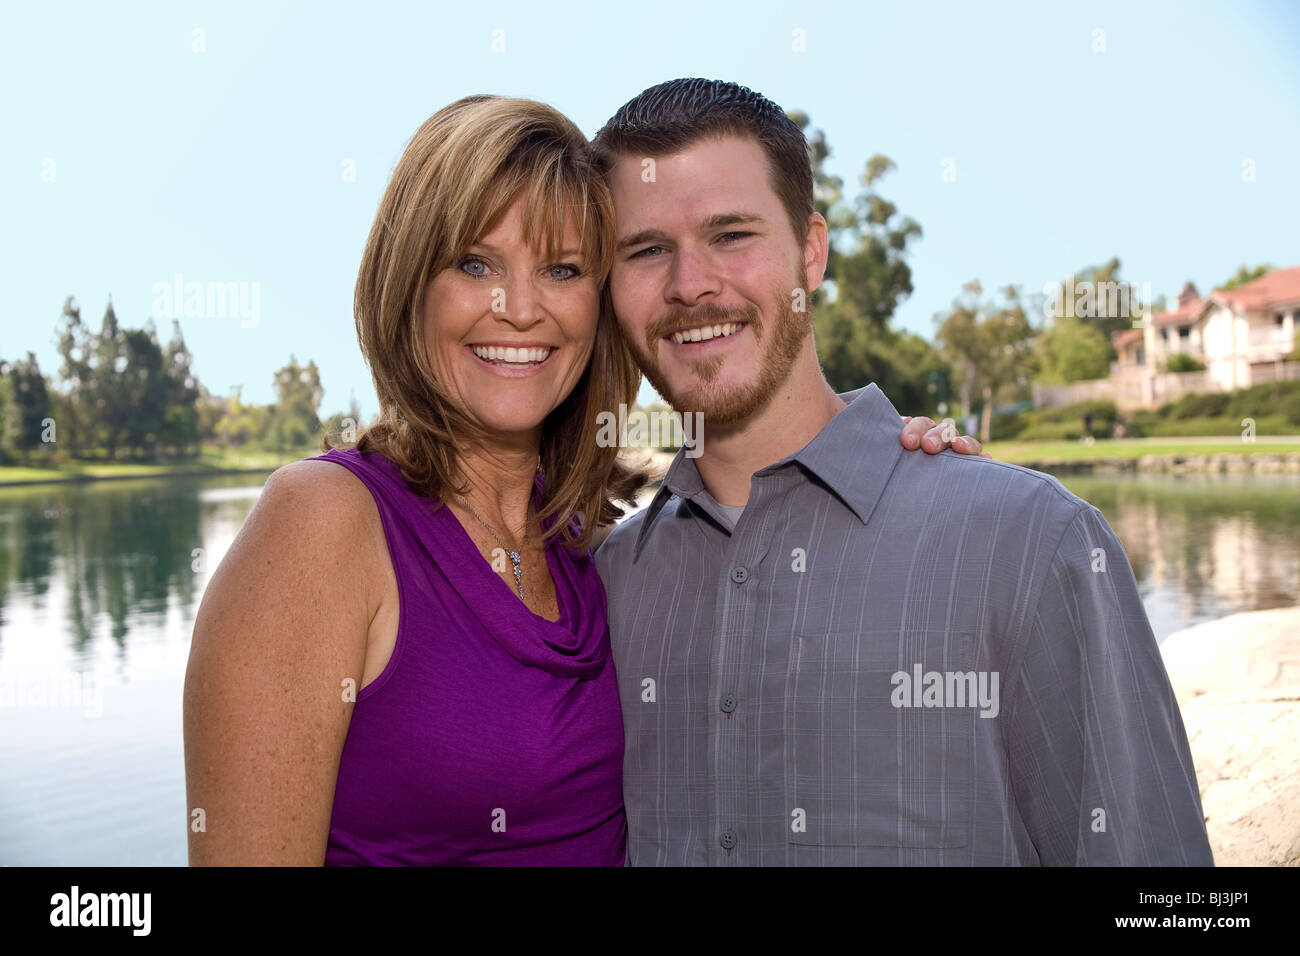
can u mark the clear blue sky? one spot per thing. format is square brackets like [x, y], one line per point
[225, 165]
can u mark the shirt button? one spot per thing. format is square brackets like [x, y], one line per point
[728, 703]
[728, 839]
[739, 575]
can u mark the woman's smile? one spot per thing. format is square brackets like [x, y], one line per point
[513, 361]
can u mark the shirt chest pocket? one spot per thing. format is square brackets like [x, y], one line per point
[880, 737]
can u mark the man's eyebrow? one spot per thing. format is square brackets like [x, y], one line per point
[730, 219]
[639, 238]
[713, 222]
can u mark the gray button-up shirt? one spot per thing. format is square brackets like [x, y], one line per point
[892, 658]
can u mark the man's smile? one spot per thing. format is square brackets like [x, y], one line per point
[705, 333]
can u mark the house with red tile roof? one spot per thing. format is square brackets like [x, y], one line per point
[1248, 332]
[1241, 336]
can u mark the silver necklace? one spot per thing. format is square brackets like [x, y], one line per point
[514, 555]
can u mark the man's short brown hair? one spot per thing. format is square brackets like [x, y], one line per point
[670, 117]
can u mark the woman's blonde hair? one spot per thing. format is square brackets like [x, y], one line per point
[462, 170]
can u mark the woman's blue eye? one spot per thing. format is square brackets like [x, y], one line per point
[465, 265]
[573, 271]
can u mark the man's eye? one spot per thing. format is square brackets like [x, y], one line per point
[646, 252]
[564, 271]
[733, 236]
[473, 267]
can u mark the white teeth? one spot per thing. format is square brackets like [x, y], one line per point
[510, 355]
[704, 333]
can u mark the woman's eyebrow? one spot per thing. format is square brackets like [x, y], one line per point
[488, 247]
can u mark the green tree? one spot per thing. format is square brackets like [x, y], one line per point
[344, 427]
[123, 389]
[110, 403]
[865, 264]
[1245, 275]
[144, 388]
[990, 347]
[1102, 299]
[866, 277]
[6, 399]
[241, 425]
[181, 425]
[28, 408]
[911, 371]
[211, 410]
[74, 408]
[294, 422]
[1071, 350]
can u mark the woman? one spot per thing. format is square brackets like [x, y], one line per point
[405, 660]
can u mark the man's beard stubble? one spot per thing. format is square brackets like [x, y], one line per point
[735, 404]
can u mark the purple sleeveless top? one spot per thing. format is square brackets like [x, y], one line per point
[493, 736]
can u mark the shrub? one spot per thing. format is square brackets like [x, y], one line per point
[1182, 362]
[1054, 431]
[1260, 399]
[1056, 424]
[1007, 427]
[1228, 428]
[1198, 405]
[1289, 410]
[1141, 422]
[1103, 414]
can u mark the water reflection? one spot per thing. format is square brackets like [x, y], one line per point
[1204, 546]
[122, 550]
[99, 585]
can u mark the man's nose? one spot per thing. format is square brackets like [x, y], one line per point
[691, 277]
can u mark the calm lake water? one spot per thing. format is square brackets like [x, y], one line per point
[99, 584]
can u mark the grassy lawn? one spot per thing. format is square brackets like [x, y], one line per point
[1021, 452]
[211, 459]
[1014, 452]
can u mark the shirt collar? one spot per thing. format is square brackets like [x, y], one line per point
[853, 455]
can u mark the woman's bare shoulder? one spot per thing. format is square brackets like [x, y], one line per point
[315, 485]
[313, 518]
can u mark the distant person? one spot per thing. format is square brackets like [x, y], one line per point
[1087, 428]
[1120, 430]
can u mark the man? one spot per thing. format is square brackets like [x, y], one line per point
[806, 679]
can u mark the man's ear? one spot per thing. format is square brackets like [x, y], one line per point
[816, 250]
